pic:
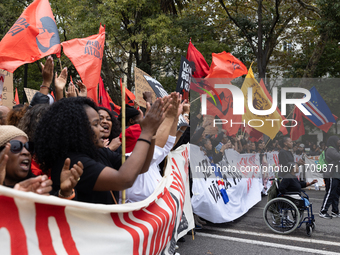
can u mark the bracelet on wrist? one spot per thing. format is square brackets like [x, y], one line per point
[186, 115]
[44, 86]
[69, 197]
[144, 140]
[180, 130]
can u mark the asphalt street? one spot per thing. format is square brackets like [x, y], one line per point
[250, 235]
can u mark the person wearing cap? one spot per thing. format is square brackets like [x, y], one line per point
[15, 164]
[4, 110]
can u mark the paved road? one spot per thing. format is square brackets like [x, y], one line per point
[249, 235]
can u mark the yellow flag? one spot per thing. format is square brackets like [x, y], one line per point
[267, 124]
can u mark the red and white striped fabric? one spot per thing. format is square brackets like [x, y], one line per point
[34, 224]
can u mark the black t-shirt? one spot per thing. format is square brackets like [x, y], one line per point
[92, 169]
[290, 183]
[285, 159]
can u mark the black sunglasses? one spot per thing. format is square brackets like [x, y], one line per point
[17, 146]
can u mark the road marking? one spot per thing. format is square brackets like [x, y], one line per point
[306, 240]
[267, 244]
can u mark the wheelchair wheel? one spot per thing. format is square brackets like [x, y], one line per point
[309, 230]
[313, 226]
[281, 215]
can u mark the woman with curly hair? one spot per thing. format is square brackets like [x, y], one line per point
[111, 128]
[71, 128]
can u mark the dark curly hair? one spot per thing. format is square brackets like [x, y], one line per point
[115, 130]
[64, 128]
[30, 120]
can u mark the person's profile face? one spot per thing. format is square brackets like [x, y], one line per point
[98, 130]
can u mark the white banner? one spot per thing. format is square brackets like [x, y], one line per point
[34, 224]
[243, 188]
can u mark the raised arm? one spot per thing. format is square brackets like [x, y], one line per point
[166, 127]
[109, 178]
[59, 83]
[47, 75]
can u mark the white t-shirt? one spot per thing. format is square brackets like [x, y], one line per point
[146, 183]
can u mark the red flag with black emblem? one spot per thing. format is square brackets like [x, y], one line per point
[225, 65]
[86, 55]
[33, 36]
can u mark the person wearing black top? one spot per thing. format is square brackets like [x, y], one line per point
[290, 182]
[71, 128]
[286, 157]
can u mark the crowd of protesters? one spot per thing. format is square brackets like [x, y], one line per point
[68, 147]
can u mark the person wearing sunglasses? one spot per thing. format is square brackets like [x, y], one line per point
[15, 161]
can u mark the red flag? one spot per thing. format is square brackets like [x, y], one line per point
[129, 96]
[93, 94]
[283, 129]
[201, 67]
[33, 36]
[86, 55]
[103, 99]
[224, 111]
[225, 65]
[299, 129]
[16, 98]
[254, 135]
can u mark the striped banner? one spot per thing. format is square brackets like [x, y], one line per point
[34, 224]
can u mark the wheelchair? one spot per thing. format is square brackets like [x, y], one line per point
[285, 213]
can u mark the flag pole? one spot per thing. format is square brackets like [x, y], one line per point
[123, 133]
[61, 67]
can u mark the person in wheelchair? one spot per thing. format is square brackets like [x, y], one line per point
[291, 187]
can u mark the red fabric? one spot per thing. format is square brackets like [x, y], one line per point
[201, 66]
[254, 135]
[225, 65]
[33, 36]
[86, 55]
[325, 127]
[115, 108]
[35, 168]
[299, 129]
[129, 96]
[103, 99]
[283, 129]
[132, 133]
[224, 111]
[93, 94]
[16, 97]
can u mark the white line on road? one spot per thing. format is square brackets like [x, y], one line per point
[274, 245]
[299, 239]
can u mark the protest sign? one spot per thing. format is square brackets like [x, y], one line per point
[30, 93]
[141, 85]
[6, 93]
[184, 78]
